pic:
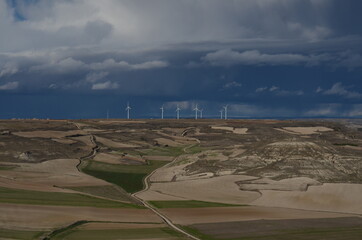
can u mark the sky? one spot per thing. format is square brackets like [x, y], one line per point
[262, 58]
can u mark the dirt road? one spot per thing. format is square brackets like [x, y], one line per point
[155, 210]
[147, 186]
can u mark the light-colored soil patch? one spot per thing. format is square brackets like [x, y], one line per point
[328, 197]
[286, 131]
[44, 176]
[290, 184]
[117, 159]
[103, 226]
[221, 189]
[49, 134]
[246, 213]
[18, 216]
[308, 130]
[240, 130]
[231, 129]
[223, 128]
[113, 144]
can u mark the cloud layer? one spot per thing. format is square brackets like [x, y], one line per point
[265, 54]
[69, 23]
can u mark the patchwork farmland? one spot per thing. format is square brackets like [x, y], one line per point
[180, 179]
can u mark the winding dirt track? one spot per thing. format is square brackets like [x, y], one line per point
[155, 210]
[147, 186]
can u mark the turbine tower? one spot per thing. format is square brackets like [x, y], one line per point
[107, 114]
[196, 109]
[178, 112]
[162, 112]
[226, 111]
[128, 108]
[201, 110]
[221, 111]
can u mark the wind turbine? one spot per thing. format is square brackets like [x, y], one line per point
[162, 112]
[128, 108]
[226, 111]
[201, 110]
[178, 112]
[196, 109]
[221, 111]
[107, 114]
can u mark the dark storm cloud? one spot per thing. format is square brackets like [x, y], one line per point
[270, 55]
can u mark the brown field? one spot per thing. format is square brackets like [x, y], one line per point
[115, 158]
[231, 129]
[291, 184]
[217, 189]
[102, 226]
[345, 198]
[21, 217]
[320, 228]
[186, 216]
[50, 134]
[44, 176]
[114, 144]
[159, 158]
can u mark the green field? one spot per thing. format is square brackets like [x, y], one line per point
[19, 235]
[8, 195]
[128, 177]
[350, 233]
[113, 234]
[194, 149]
[188, 204]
